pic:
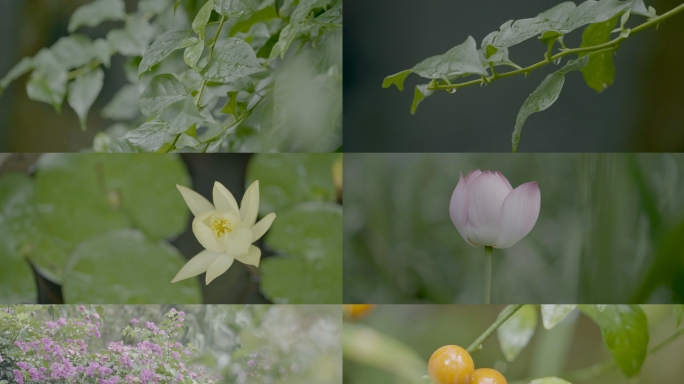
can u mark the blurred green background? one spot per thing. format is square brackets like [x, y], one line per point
[573, 344]
[610, 230]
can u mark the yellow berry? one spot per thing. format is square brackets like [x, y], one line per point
[451, 364]
[488, 376]
[357, 311]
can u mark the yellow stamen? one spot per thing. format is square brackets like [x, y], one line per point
[221, 227]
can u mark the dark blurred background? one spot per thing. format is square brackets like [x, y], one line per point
[642, 112]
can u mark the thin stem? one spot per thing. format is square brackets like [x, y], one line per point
[488, 275]
[564, 52]
[508, 312]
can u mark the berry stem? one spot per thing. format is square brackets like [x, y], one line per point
[488, 274]
[505, 315]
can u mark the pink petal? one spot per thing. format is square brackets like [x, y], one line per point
[519, 213]
[505, 180]
[486, 196]
[472, 175]
[458, 208]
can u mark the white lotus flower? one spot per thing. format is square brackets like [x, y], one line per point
[225, 230]
[487, 211]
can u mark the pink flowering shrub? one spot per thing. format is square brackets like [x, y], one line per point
[57, 352]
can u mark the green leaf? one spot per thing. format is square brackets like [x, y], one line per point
[558, 13]
[460, 60]
[496, 56]
[515, 32]
[16, 278]
[22, 67]
[199, 24]
[187, 116]
[517, 331]
[304, 9]
[600, 70]
[83, 91]
[102, 52]
[123, 267]
[73, 51]
[83, 195]
[419, 95]
[124, 105]
[193, 53]
[679, 311]
[286, 180]
[234, 8]
[550, 380]
[164, 44]
[92, 14]
[154, 7]
[544, 96]
[286, 37]
[553, 314]
[625, 332]
[133, 39]
[162, 91]
[312, 230]
[231, 61]
[233, 106]
[396, 79]
[592, 12]
[149, 137]
[267, 13]
[48, 82]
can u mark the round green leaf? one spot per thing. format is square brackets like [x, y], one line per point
[285, 180]
[82, 195]
[553, 314]
[123, 267]
[294, 280]
[312, 230]
[517, 331]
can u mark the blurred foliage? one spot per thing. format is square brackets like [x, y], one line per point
[609, 230]
[264, 344]
[393, 344]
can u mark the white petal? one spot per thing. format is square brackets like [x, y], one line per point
[204, 234]
[196, 202]
[219, 267]
[196, 265]
[486, 196]
[252, 257]
[519, 213]
[249, 207]
[224, 200]
[260, 228]
[236, 242]
[458, 207]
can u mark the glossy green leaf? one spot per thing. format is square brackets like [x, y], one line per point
[187, 116]
[285, 39]
[312, 230]
[21, 68]
[193, 53]
[558, 13]
[679, 311]
[419, 95]
[553, 314]
[591, 12]
[124, 105]
[162, 91]
[149, 137]
[164, 45]
[549, 380]
[123, 267]
[83, 91]
[92, 14]
[267, 13]
[285, 180]
[625, 332]
[517, 331]
[544, 96]
[48, 82]
[397, 79]
[73, 51]
[82, 195]
[199, 24]
[600, 70]
[133, 39]
[234, 8]
[304, 9]
[460, 60]
[515, 32]
[231, 61]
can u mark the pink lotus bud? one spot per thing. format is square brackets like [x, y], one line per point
[487, 211]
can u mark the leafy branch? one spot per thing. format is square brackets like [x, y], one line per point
[594, 56]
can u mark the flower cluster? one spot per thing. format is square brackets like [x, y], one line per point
[150, 354]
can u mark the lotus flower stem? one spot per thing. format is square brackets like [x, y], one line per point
[488, 274]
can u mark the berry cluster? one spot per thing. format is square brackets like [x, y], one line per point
[452, 364]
